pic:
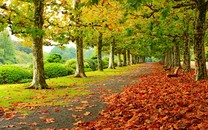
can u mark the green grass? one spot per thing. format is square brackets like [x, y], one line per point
[15, 96]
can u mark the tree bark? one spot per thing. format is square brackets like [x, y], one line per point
[119, 58]
[124, 58]
[141, 59]
[38, 81]
[111, 57]
[131, 59]
[80, 73]
[199, 49]
[99, 52]
[186, 50]
[136, 59]
[176, 54]
[128, 57]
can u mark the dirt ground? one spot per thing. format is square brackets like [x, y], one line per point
[80, 108]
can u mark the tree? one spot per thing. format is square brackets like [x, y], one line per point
[38, 81]
[55, 58]
[99, 52]
[66, 53]
[111, 57]
[29, 25]
[7, 49]
[199, 50]
[186, 48]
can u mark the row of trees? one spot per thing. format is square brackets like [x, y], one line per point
[132, 28]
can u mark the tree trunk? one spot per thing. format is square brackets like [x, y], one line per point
[176, 54]
[38, 81]
[141, 59]
[80, 59]
[111, 58]
[169, 56]
[131, 59]
[128, 57]
[136, 59]
[99, 52]
[124, 58]
[199, 49]
[119, 58]
[186, 50]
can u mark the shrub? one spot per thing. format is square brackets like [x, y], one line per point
[53, 70]
[25, 80]
[12, 74]
[55, 58]
[71, 64]
[71, 71]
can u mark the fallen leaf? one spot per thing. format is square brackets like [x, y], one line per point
[9, 115]
[49, 120]
[56, 110]
[87, 113]
[77, 123]
[84, 102]
[33, 124]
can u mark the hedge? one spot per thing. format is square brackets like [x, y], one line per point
[12, 74]
[53, 70]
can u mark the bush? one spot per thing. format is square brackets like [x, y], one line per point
[53, 70]
[55, 58]
[12, 74]
[71, 71]
[71, 64]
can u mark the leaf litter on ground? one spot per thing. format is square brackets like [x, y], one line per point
[156, 102]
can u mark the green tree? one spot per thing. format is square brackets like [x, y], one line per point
[54, 58]
[66, 53]
[7, 49]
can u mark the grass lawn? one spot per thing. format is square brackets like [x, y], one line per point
[15, 96]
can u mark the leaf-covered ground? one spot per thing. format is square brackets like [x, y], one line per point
[157, 102]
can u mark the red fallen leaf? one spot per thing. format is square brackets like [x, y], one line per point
[9, 115]
[1, 112]
[33, 124]
[64, 129]
[56, 110]
[165, 103]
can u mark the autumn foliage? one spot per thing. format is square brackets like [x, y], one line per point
[157, 102]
